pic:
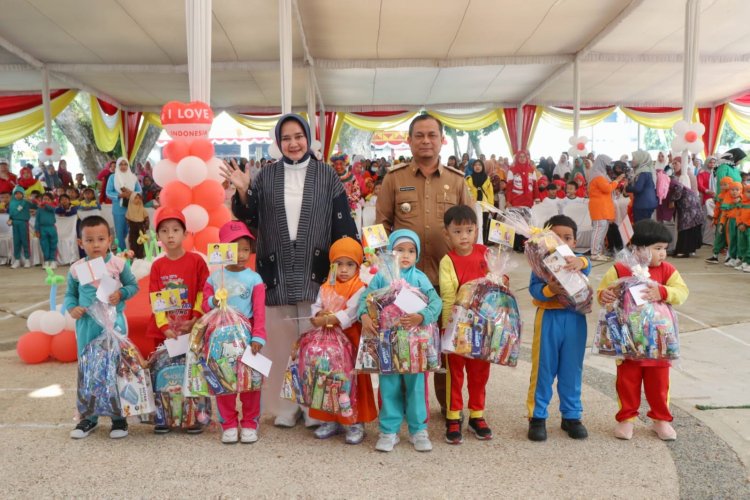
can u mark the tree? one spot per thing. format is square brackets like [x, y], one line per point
[729, 138]
[474, 138]
[355, 141]
[658, 139]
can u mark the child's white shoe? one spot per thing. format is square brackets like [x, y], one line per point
[53, 264]
[229, 436]
[746, 268]
[16, 264]
[248, 436]
[421, 441]
[386, 442]
[27, 263]
[664, 430]
[730, 262]
[624, 430]
[327, 430]
[355, 434]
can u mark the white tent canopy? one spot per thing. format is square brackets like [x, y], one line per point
[387, 54]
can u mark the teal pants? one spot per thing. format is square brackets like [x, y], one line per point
[21, 239]
[743, 245]
[392, 402]
[48, 241]
[732, 237]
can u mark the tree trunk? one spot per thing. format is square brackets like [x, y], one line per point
[354, 141]
[456, 146]
[6, 152]
[474, 137]
[75, 123]
[149, 140]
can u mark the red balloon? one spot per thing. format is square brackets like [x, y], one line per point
[176, 150]
[202, 148]
[209, 235]
[189, 242]
[34, 347]
[63, 347]
[176, 195]
[209, 194]
[219, 216]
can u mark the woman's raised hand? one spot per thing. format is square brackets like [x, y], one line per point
[234, 174]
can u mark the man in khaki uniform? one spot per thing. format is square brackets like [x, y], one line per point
[416, 195]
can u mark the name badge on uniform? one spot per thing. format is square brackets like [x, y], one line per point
[407, 188]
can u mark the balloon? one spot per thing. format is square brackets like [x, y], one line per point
[52, 322]
[209, 195]
[192, 170]
[205, 238]
[189, 242]
[176, 195]
[274, 151]
[214, 169]
[70, 323]
[165, 172]
[63, 347]
[196, 218]
[202, 148]
[219, 216]
[34, 347]
[176, 150]
[34, 322]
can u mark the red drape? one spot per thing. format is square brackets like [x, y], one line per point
[743, 100]
[10, 104]
[654, 109]
[528, 114]
[108, 108]
[329, 123]
[712, 127]
[379, 114]
[132, 122]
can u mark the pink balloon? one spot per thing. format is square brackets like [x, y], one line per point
[176, 150]
[219, 216]
[196, 218]
[202, 148]
[209, 235]
[165, 172]
[176, 195]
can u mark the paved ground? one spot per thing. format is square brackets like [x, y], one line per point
[38, 459]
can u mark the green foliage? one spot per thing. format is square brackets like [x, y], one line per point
[729, 138]
[658, 139]
[39, 136]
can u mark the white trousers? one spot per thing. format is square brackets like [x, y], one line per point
[597, 237]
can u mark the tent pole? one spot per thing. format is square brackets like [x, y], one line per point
[46, 105]
[285, 54]
[311, 103]
[692, 23]
[323, 122]
[576, 98]
[198, 17]
[519, 127]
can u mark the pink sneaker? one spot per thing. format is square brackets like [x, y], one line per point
[664, 430]
[624, 430]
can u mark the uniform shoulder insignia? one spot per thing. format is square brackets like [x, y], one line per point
[454, 170]
[398, 167]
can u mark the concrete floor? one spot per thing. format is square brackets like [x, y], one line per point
[38, 458]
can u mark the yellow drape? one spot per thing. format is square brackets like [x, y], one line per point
[738, 117]
[106, 138]
[563, 118]
[148, 119]
[375, 123]
[19, 125]
[261, 123]
[335, 135]
[467, 122]
[654, 120]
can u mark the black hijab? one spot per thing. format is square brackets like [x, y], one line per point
[478, 178]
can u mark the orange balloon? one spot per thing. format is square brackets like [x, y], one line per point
[209, 235]
[176, 195]
[34, 347]
[176, 150]
[63, 347]
[219, 216]
[209, 194]
[189, 242]
[202, 148]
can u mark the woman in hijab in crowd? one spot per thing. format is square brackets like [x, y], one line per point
[563, 166]
[51, 179]
[661, 161]
[705, 179]
[452, 161]
[480, 188]
[102, 179]
[521, 189]
[643, 186]
[601, 204]
[545, 168]
[120, 186]
[684, 175]
[66, 178]
[690, 216]
[150, 192]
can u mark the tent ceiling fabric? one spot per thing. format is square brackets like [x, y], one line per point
[381, 54]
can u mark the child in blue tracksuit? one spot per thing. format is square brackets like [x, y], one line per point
[405, 245]
[46, 231]
[96, 241]
[558, 346]
[19, 213]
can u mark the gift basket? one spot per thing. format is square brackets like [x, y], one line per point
[546, 254]
[320, 373]
[485, 323]
[173, 409]
[396, 349]
[112, 378]
[631, 327]
[214, 358]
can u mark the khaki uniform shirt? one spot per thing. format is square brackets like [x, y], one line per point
[409, 200]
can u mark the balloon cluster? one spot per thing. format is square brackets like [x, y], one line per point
[51, 333]
[190, 174]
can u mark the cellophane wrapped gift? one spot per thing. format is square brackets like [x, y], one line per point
[396, 349]
[632, 328]
[113, 379]
[173, 409]
[214, 358]
[546, 254]
[320, 373]
[485, 323]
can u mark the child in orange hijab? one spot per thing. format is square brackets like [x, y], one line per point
[346, 254]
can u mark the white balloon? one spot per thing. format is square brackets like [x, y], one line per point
[52, 323]
[165, 172]
[192, 171]
[70, 323]
[34, 322]
[196, 218]
[213, 167]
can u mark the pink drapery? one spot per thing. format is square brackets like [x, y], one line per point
[528, 115]
[712, 124]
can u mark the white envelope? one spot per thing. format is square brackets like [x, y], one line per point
[107, 286]
[91, 270]
[257, 362]
[409, 302]
[177, 347]
[636, 292]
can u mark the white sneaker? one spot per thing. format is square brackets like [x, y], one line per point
[16, 264]
[355, 434]
[327, 430]
[746, 268]
[386, 442]
[421, 441]
[53, 264]
[27, 263]
[229, 436]
[730, 262]
[286, 420]
[248, 436]
[739, 266]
